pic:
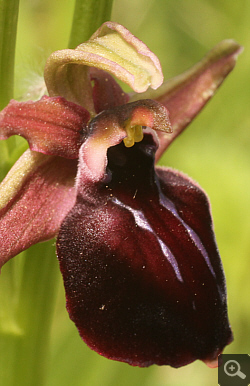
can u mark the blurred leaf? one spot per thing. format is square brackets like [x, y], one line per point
[27, 290]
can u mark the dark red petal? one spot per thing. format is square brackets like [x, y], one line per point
[107, 93]
[142, 273]
[52, 126]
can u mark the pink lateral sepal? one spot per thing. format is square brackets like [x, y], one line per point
[52, 126]
[34, 199]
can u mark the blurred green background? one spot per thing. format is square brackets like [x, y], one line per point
[214, 151]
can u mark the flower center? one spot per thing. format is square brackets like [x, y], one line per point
[134, 134]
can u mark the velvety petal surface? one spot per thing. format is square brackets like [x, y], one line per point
[186, 94]
[52, 126]
[143, 277]
[35, 196]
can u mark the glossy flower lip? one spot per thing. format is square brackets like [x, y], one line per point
[143, 277]
[142, 273]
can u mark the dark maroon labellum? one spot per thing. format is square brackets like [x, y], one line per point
[142, 273]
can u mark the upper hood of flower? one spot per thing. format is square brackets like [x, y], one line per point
[112, 48]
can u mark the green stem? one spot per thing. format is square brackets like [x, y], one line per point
[88, 17]
[28, 289]
[8, 28]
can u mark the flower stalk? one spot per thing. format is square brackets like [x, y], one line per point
[8, 28]
[88, 16]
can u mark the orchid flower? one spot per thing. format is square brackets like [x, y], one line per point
[142, 273]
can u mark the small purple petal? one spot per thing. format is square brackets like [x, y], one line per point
[107, 93]
[52, 126]
[143, 278]
[33, 204]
